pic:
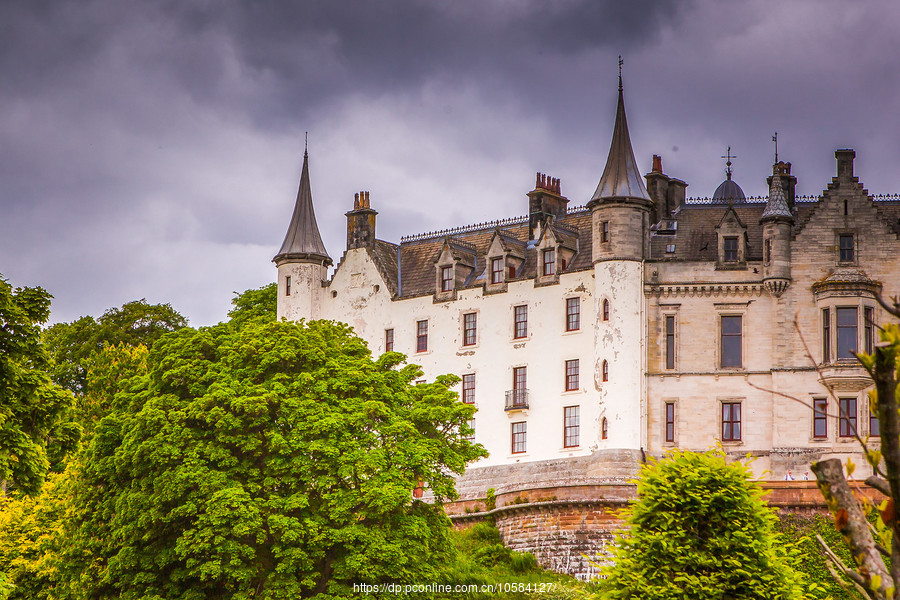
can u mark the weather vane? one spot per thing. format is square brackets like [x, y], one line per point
[728, 156]
[620, 72]
[775, 139]
[306, 149]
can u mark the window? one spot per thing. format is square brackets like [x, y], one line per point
[496, 270]
[571, 426]
[518, 437]
[520, 321]
[605, 371]
[468, 388]
[421, 336]
[731, 342]
[670, 248]
[470, 329]
[605, 309]
[869, 330]
[731, 421]
[767, 253]
[846, 331]
[670, 422]
[549, 260]
[845, 243]
[471, 436]
[604, 428]
[731, 249]
[520, 379]
[446, 279]
[573, 314]
[874, 425]
[847, 418]
[287, 285]
[517, 398]
[572, 375]
[388, 340]
[670, 341]
[820, 417]
[604, 232]
[826, 335]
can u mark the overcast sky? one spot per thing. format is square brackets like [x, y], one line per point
[152, 149]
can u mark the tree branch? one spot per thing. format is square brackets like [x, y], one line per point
[832, 561]
[851, 522]
[879, 484]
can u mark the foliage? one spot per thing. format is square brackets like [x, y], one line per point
[700, 529]
[255, 305]
[73, 345]
[801, 530]
[264, 460]
[35, 428]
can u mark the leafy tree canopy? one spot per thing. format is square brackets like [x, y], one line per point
[72, 345]
[34, 425]
[700, 530]
[255, 305]
[263, 459]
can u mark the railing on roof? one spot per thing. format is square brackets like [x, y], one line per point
[748, 200]
[885, 198]
[465, 229]
[575, 209]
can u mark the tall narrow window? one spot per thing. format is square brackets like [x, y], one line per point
[446, 279]
[869, 321]
[388, 340]
[847, 417]
[421, 336]
[518, 437]
[604, 232]
[820, 417]
[571, 426]
[731, 249]
[470, 329]
[520, 321]
[520, 380]
[518, 396]
[731, 421]
[767, 253]
[549, 261]
[573, 314]
[874, 424]
[731, 342]
[670, 422]
[468, 388]
[670, 341]
[572, 375]
[845, 241]
[287, 285]
[471, 436]
[846, 331]
[496, 270]
[605, 309]
[605, 371]
[604, 428]
[826, 335]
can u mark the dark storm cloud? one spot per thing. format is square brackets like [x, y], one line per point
[151, 149]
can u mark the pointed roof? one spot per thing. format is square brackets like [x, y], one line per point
[302, 240]
[776, 206]
[621, 177]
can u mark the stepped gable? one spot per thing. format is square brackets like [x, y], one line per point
[418, 253]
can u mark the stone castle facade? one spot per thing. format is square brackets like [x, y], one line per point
[591, 336]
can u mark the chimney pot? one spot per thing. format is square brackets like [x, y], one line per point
[356, 201]
[657, 163]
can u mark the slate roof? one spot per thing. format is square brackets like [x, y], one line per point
[621, 177]
[302, 239]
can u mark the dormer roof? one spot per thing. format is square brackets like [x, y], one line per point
[302, 241]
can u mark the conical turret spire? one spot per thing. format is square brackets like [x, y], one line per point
[302, 240]
[621, 177]
[777, 205]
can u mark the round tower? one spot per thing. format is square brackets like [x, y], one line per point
[302, 261]
[620, 215]
[777, 221]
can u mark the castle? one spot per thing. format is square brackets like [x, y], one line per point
[592, 336]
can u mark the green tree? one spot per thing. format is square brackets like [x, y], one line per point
[73, 345]
[255, 305]
[264, 459]
[35, 429]
[700, 530]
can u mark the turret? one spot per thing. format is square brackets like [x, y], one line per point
[302, 260]
[777, 221]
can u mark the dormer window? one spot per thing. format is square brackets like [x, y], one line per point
[496, 270]
[446, 279]
[549, 262]
[731, 249]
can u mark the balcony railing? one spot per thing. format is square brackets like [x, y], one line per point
[516, 399]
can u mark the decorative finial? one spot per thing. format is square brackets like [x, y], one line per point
[620, 72]
[728, 156]
[775, 139]
[306, 148]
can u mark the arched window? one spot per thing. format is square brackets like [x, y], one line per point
[605, 309]
[604, 428]
[605, 371]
